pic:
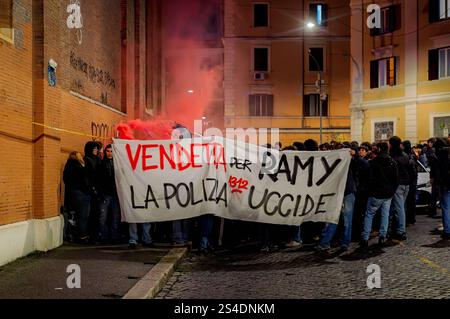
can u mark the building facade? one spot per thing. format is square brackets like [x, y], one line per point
[401, 71]
[69, 71]
[275, 52]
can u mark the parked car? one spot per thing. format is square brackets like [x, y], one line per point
[423, 196]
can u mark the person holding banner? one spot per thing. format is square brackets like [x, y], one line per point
[347, 212]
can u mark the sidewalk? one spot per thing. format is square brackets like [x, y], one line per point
[107, 272]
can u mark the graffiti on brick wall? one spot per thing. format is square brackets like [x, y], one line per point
[93, 73]
[102, 130]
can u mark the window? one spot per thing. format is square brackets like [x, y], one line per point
[261, 59]
[6, 26]
[316, 59]
[260, 15]
[311, 106]
[439, 10]
[383, 72]
[441, 126]
[261, 105]
[318, 14]
[390, 20]
[439, 64]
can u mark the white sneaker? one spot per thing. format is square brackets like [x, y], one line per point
[293, 244]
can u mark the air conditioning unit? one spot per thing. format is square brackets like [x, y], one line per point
[260, 76]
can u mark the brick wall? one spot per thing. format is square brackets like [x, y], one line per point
[32, 157]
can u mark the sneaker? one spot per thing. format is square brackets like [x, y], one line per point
[344, 248]
[401, 237]
[132, 246]
[293, 244]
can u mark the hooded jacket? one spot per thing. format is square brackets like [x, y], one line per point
[383, 177]
[75, 177]
[92, 163]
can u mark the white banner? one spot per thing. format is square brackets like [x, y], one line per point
[170, 180]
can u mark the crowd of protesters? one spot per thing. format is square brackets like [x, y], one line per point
[379, 200]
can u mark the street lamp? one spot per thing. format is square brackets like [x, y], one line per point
[321, 94]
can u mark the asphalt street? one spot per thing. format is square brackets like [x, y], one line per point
[417, 268]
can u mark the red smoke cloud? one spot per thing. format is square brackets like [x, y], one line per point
[193, 75]
[145, 130]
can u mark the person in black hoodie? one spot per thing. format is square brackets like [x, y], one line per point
[108, 199]
[441, 173]
[405, 175]
[93, 160]
[78, 193]
[383, 182]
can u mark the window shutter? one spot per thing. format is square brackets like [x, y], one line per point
[251, 105]
[325, 15]
[305, 105]
[325, 107]
[433, 10]
[391, 71]
[373, 74]
[313, 12]
[270, 105]
[433, 64]
[395, 18]
[5, 14]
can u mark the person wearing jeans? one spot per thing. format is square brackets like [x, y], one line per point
[330, 229]
[406, 171]
[82, 205]
[146, 237]
[398, 209]
[206, 227]
[445, 205]
[109, 203]
[108, 199]
[383, 183]
[441, 173]
[373, 206]
[180, 232]
[347, 210]
[78, 193]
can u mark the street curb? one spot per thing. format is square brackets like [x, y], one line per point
[152, 283]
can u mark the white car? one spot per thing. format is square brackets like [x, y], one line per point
[423, 195]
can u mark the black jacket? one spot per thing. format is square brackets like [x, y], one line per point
[75, 177]
[383, 177]
[362, 175]
[442, 168]
[106, 178]
[405, 168]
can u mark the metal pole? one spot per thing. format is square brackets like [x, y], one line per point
[320, 107]
[320, 95]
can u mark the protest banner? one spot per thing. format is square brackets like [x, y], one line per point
[170, 180]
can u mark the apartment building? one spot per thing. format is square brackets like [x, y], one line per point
[275, 54]
[401, 71]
